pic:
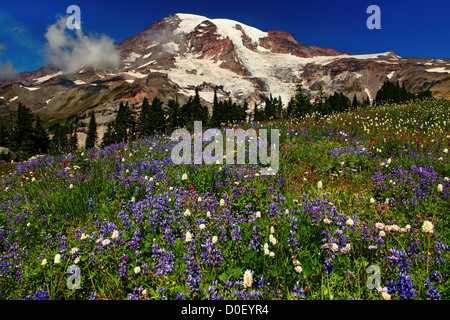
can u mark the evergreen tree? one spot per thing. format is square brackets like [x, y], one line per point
[123, 123]
[321, 102]
[91, 137]
[424, 94]
[258, 114]
[269, 108]
[192, 111]
[339, 102]
[157, 121]
[174, 120]
[73, 139]
[392, 92]
[23, 132]
[355, 102]
[299, 105]
[108, 136]
[5, 133]
[59, 141]
[41, 139]
[144, 119]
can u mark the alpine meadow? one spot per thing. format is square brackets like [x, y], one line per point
[328, 178]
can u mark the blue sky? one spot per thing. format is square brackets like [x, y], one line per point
[411, 28]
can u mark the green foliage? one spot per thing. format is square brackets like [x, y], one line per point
[299, 104]
[124, 124]
[91, 136]
[174, 120]
[393, 92]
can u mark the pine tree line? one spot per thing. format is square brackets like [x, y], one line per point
[393, 92]
[26, 136]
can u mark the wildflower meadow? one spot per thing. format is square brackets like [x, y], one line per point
[359, 209]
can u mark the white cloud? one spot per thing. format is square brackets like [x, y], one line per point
[7, 71]
[71, 53]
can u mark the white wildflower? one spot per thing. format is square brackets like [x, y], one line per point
[334, 247]
[57, 258]
[248, 279]
[115, 234]
[427, 227]
[272, 240]
[386, 296]
[379, 225]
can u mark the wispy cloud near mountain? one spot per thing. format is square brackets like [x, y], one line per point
[73, 50]
[7, 71]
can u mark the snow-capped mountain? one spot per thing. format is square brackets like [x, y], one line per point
[185, 51]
